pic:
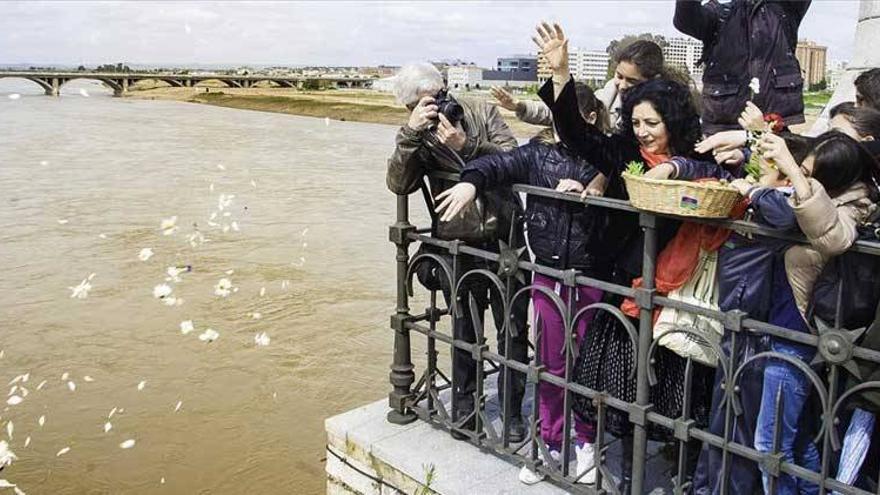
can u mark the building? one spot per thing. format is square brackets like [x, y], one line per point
[590, 66]
[812, 59]
[685, 53]
[468, 77]
[518, 63]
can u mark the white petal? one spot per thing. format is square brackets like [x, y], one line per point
[177, 407]
[9, 429]
[41, 385]
[221, 167]
[27, 441]
[142, 384]
[256, 316]
[62, 451]
[162, 481]
[65, 375]
[127, 444]
[186, 327]
[209, 335]
[71, 386]
[112, 412]
[14, 400]
[13, 96]
[88, 378]
[162, 290]
[42, 420]
[145, 254]
[6, 484]
[261, 339]
[262, 291]
[107, 427]
[63, 221]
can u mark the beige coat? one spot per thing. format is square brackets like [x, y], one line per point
[830, 226]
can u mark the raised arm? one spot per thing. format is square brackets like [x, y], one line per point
[693, 19]
[534, 112]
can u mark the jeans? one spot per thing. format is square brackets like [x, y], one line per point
[551, 399]
[796, 443]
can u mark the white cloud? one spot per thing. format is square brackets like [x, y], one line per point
[339, 33]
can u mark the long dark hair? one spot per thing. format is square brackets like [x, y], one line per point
[648, 59]
[840, 161]
[587, 103]
[673, 102]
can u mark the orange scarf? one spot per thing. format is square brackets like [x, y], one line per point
[653, 159]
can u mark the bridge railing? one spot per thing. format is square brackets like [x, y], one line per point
[424, 398]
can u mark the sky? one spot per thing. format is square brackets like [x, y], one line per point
[340, 33]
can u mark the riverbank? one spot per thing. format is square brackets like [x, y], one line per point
[340, 104]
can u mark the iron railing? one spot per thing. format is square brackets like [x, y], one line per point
[412, 399]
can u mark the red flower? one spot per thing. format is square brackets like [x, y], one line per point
[775, 121]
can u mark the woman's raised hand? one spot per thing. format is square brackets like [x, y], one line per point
[554, 45]
[505, 99]
[722, 141]
[454, 200]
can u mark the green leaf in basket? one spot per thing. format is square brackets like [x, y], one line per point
[635, 168]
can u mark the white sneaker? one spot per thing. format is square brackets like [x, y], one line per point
[586, 463]
[529, 477]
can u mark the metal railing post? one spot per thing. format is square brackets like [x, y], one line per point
[644, 297]
[402, 375]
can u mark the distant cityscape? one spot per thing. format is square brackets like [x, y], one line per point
[521, 71]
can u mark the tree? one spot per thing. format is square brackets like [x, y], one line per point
[619, 44]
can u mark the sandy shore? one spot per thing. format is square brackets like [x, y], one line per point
[340, 104]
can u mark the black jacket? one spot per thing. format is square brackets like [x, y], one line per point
[741, 40]
[562, 234]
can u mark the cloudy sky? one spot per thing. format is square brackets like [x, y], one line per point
[339, 33]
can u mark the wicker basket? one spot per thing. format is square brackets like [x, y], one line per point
[678, 197]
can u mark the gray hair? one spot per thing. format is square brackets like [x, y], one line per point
[414, 79]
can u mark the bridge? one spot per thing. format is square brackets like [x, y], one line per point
[120, 82]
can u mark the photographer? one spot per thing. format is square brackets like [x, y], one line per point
[441, 135]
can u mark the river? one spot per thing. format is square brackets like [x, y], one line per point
[85, 182]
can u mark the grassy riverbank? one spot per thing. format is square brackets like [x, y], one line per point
[349, 105]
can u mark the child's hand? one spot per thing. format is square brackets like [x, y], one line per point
[722, 141]
[729, 157]
[775, 150]
[596, 187]
[741, 185]
[455, 199]
[569, 185]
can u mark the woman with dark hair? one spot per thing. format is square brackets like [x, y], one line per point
[859, 123]
[659, 124]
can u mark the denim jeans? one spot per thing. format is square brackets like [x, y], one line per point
[796, 443]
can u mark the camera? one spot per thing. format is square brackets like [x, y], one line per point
[448, 107]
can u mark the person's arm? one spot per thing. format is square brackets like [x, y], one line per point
[583, 138]
[534, 112]
[690, 169]
[406, 165]
[772, 208]
[500, 137]
[831, 230]
[510, 167]
[693, 19]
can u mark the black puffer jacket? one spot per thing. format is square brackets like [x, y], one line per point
[562, 234]
[741, 40]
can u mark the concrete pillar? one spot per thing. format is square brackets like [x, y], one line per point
[865, 56]
[54, 88]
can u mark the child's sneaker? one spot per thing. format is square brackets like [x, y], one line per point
[586, 463]
[529, 477]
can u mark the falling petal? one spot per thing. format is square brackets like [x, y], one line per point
[14, 96]
[6, 484]
[102, 236]
[161, 291]
[63, 221]
[256, 316]
[62, 451]
[141, 385]
[27, 441]
[177, 407]
[44, 163]
[83, 92]
[112, 412]
[169, 225]
[9, 429]
[253, 184]
[89, 379]
[81, 291]
[127, 444]
[145, 254]
[12, 390]
[41, 385]
[262, 291]
[65, 375]
[162, 481]
[71, 386]
[230, 272]
[327, 121]
[211, 187]
[261, 339]
[209, 335]
[107, 427]
[6, 455]
[223, 287]
[42, 420]
[221, 167]
[186, 327]
[14, 400]
[234, 226]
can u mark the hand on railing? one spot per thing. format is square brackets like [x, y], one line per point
[454, 200]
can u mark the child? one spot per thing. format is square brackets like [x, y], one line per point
[563, 235]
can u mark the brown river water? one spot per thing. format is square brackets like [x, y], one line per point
[85, 183]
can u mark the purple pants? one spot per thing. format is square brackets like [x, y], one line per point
[552, 345]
